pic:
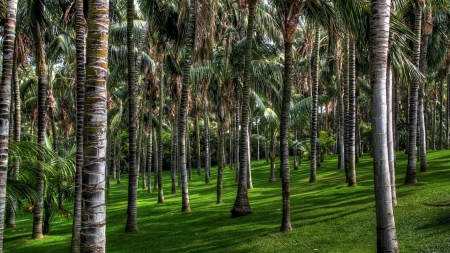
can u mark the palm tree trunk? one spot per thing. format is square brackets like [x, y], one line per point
[447, 115]
[441, 113]
[156, 156]
[272, 177]
[390, 133]
[207, 144]
[188, 148]
[315, 94]
[230, 142]
[5, 98]
[149, 150]
[241, 205]
[346, 104]
[379, 37]
[174, 149]
[249, 161]
[93, 222]
[220, 166]
[351, 113]
[422, 134]
[185, 206]
[284, 131]
[131, 225]
[159, 140]
[42, 97]
[197, 137]
[340, 102]
[413, 104]
[237, 133]
[119, 151]
[11, 207]
[433, 123]
[257, 133]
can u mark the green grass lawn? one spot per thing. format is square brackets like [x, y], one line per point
[326, 216]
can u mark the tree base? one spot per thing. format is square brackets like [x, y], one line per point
[11, 225]
[37, 236]
[240, 211]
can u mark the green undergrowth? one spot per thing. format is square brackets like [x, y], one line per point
[326, 216]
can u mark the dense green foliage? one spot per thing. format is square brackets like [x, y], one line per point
[327, 216]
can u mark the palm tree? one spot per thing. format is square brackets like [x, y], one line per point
[5, 94]
[292, 12]
[81, 79]
[42, 99]
[241, 205]
[131, 225]
[413, 100]
[93, 221]
[427, 29]
[351, 122]
[315, 94]
[379, 38]
[185, 206]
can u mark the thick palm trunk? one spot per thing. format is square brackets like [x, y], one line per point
[185, 206]
[159, 140]
[413, 104]
[93, 216]
[379, 37]
[42, 97]
[351, 123]
[81, 79]
[241, 205]
[5, 98]
[284, 129]
[131, 225]
[315, 95]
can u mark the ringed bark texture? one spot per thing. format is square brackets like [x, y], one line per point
[42, 108]
[81, 79]
[379, 37]
[241, 205]
[93, 215]
[284, 142]
[5, 103]
[411, 177]
[315, 95]
[185, 206]
[131, 225]
[351, 114]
